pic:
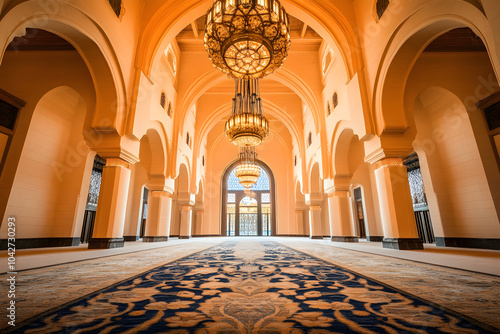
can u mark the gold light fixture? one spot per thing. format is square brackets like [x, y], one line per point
[247, 38]
[247, 171]
[247, 125]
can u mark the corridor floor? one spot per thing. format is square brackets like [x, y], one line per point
[471, 294]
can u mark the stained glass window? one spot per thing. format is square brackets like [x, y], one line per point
[117, 6]
[381, 7]
[231, 198]
[266, 198]
[163, 100]
[263, 182]
[95, 182]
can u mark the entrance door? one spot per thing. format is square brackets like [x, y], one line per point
[248, 212]
[248, 218]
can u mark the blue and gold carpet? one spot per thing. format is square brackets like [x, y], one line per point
[265, 288]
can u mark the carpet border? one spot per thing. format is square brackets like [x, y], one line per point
[59, 307]
[441, 307]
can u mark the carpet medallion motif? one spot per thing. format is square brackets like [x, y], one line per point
[259, 287]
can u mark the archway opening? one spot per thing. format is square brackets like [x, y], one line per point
[248, 212]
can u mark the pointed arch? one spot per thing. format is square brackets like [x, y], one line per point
[405, 47]
[90, 41]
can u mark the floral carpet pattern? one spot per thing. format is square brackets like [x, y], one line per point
[265, 288]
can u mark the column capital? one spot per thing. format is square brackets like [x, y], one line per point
[117, 162]
[339, 193]
[118, 153]
[388, 162]
[186, 207]
[158, 193]
[313, 199]
[314, 207]
[184, 198]
[160, 183]
[339, 182]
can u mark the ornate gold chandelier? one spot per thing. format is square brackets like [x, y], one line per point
[247, 38]
[247, 171]
[247, 125]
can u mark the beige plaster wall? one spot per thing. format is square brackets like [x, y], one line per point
[461, 181]
[48, 133]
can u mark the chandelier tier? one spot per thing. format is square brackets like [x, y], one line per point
[247, 171]
[247, 125]
[247, 38]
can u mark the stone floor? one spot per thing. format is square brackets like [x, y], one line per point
[464, 280]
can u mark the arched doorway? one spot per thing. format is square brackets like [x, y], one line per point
[248, 213]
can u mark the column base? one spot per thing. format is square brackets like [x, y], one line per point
[185, 237]
[154, 239]
[130, 238]
[403, 243]
[320, 237]
[41, 242]
[345, 239]
[468, 242]
[374, 238]
[105, 243]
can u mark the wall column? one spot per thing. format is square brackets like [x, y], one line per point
[111, 206]
[316, 231]
[299, 221]
[396, 209]
[200, 221]
[186, 221]
[339, 208]
[158, 216]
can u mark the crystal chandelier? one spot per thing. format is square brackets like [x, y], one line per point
[247, 171]
[247, 125]
[247, 38]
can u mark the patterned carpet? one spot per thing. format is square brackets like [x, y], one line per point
[241, 287]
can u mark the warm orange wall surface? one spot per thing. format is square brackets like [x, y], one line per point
[454, 175]
[51, 179]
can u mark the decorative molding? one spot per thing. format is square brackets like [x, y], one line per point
[117, 153]
[314, 207]
[117, 162]
[339, 193]
[23, 243]
[158, 194]
[186, 208]
[388, 162]
[11, 99]
[387, 153]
